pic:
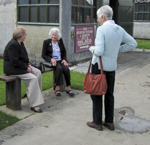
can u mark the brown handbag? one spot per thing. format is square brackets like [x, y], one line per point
[95, 84]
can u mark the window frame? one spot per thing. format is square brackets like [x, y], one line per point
[141, 12]
[78, 6]
[47, 5]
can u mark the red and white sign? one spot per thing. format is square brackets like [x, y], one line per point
[84, 38]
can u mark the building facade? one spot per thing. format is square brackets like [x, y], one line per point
[7, 22]
[76, 19]
[142, 19]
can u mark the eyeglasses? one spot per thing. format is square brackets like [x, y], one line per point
[25, 34]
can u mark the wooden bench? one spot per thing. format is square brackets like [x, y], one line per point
[13, 92]
[13, 89]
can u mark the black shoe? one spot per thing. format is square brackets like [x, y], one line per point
[37, 111]
[25, 95]
[57, 94]
[71, 94]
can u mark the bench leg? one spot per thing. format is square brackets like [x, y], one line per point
[13, 94]
[62, 87]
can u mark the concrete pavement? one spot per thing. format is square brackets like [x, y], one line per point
[63, 121]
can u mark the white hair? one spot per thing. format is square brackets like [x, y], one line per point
[55, 30]
[106, 11]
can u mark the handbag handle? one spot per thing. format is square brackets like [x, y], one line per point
[100, 64]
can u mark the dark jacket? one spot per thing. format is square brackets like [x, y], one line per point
[15, 58]
[47, 50]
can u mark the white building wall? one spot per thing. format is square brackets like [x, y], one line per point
[141, 30]
[7, 22]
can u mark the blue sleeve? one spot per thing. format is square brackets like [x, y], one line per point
[98, 49]
[129, 43]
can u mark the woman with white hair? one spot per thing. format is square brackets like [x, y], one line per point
[54, 51]
[108, 42]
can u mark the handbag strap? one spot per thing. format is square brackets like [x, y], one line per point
[100, 60]
[100, 64]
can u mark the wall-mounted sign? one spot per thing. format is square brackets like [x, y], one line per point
[84, 38]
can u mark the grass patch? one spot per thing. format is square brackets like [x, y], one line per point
[143, 44]
[7, 120]
[77, 80]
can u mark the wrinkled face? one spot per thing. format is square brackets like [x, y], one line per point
[54, 36]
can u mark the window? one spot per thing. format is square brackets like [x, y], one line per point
[142, 12]
[83, 11]
[38, 11]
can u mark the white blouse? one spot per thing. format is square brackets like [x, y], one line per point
[56, 51]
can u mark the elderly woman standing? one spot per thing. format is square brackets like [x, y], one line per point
[107, 45]
[16, 63]
[54, 51]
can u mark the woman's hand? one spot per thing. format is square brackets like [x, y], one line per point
[90, 47]
[65, 62]
[29, 69]
[54, 61]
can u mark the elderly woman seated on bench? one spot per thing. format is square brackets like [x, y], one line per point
[54, 51]
[16, 63]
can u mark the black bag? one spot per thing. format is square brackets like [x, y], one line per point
[48, 64]
[38, 65]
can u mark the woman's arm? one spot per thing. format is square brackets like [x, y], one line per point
[44, 52]
[14, 54]
[98, 49]
[129, 43]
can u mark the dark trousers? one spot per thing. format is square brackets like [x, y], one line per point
[108, 101]
[61, 69]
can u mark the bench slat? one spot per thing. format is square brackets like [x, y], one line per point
[48, 69]
[8, 78]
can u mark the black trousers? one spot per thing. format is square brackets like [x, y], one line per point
[61, 69]
[108, 101]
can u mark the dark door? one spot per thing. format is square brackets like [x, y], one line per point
[123, 13]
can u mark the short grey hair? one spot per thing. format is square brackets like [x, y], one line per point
[106, 11]
[55, 30]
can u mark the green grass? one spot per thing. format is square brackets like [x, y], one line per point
[143, 44]
[7, 120]
[77, 80]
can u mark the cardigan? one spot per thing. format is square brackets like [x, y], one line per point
[108, 42]
[15, 58]
[47, 50]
